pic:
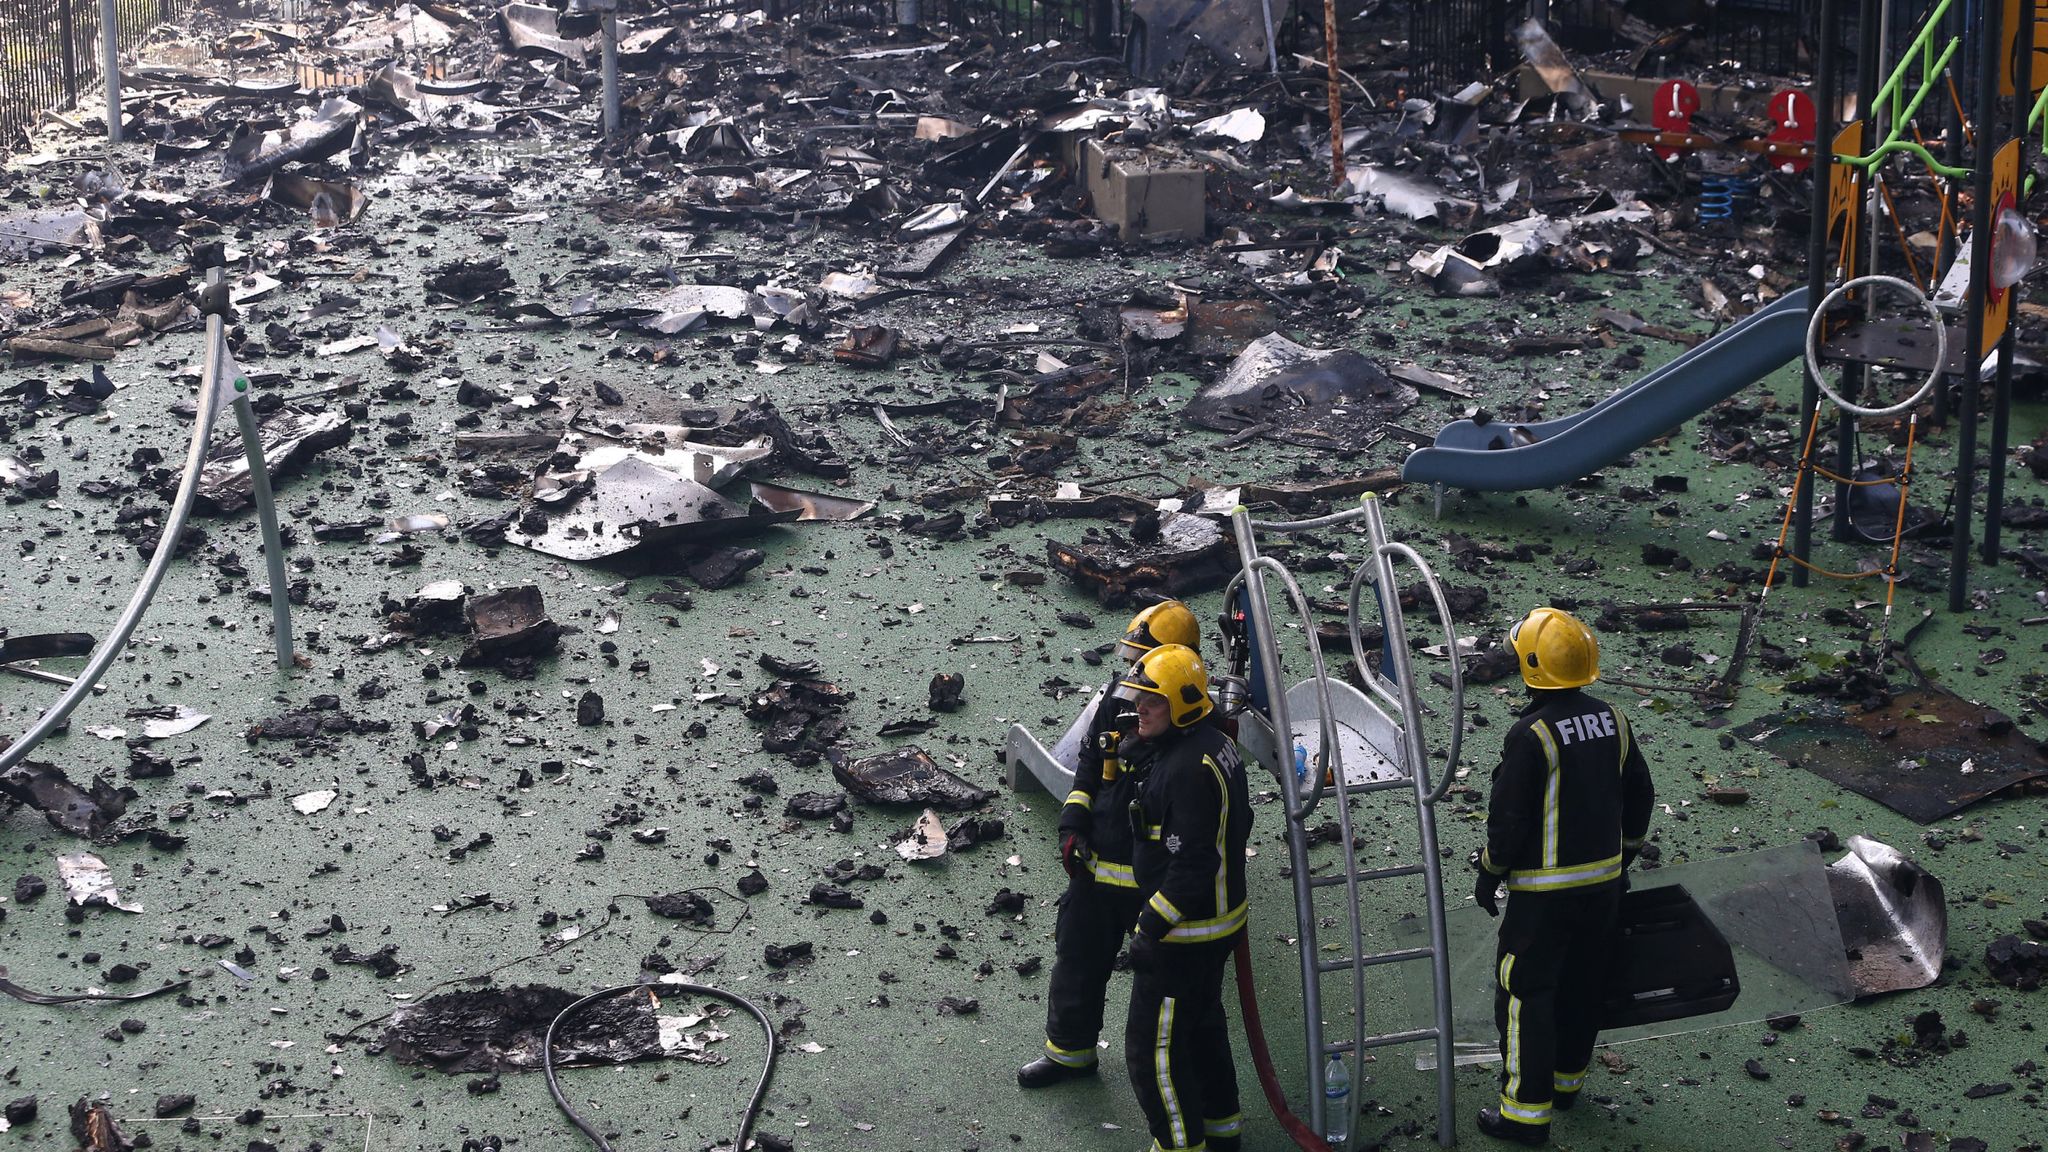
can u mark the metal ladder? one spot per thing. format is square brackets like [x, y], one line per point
[1386, 752]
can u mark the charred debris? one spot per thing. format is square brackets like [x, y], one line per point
[818, 199]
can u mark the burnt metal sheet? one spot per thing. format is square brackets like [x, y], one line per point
[509, 622]
[1893, 915]
[444, 105]
[330, 202]
[905, 776]
[920, 258]
[631, 503]
[335, 128]
[1925, 754]
[1188, 554]
[290, 441]
[80, 811]
[1307, 396]
[45, 646]
[29, 233]
[534, 28]
[809, 505]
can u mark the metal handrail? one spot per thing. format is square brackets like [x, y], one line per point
[159, 562]
[1329, 756]
[1378, 682]
[1401, 694]
[1384, 550]
[1412, 705]
[213, 390]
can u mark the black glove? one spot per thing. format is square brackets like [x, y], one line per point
[1074, 853]
[1144, 953]
[1486, 888]
[1628, 857]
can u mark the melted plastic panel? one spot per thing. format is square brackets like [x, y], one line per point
[1775, 908]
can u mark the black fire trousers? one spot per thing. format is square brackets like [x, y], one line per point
[1549, 972]
[1177, 1047]
[1094, 918]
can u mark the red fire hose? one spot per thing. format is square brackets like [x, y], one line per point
[1306, 1138]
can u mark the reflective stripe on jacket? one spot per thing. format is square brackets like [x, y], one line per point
[1194, 819]
[1571, 793]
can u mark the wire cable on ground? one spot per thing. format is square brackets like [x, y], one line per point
[753, 1110]
[27, 996]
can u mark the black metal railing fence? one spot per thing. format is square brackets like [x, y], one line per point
[50, 54]
[1451, 43]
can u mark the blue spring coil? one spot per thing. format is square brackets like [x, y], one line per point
[1719, 195]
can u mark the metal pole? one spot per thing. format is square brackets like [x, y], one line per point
[1826, 111]
[1952, 200]
[1261, 621]
[2001, 408]
[1395, 624]
[1875, 62]
[67, 23]
[1336, 95]
[1272, 48]
[153, 576]
[110, 59]
[266, 514]
[610, 23]
[1980, 282]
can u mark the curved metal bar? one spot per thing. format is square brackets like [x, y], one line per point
[1330, 521]
[1373, 680]
[159, 562]
[1443, 609]
[1328, 757]
[1425, 800]
[1813, 334]
[1259, 622]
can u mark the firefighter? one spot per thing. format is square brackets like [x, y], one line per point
[1101, 900]
[1570, 806]
[1191, 820]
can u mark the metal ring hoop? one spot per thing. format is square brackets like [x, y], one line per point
[1940, 344]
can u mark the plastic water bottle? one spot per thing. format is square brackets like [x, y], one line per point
[1336, 1101]
[1300, 764]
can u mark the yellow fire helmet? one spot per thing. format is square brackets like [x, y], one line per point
[1174, 673]
[1554, 650]
[1167, 622]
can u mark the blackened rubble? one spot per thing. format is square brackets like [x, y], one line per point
[502, 1029]
[463, 371]
[905, 776]
[88, 811]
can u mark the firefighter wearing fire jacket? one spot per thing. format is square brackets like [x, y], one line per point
[1101, 900]
[1570, 806]
[1191, 819]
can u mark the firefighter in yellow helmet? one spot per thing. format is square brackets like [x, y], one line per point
[1101, 900]
[1191, 820]
[1570, 806]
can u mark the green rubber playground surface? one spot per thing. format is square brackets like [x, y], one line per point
[904, 1027]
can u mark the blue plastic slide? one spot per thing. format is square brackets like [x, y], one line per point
[1502, 457]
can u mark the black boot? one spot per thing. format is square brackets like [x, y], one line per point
[1046, 1071]
[1563, 1101]
[1492, 1123]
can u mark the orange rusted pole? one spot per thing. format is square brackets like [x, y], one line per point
[1336, 95]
